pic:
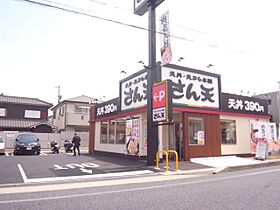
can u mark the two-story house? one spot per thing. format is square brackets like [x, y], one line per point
[73, 114]
[273, 100]
[24, 114]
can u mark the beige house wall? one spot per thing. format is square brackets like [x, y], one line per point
[58, 119]
[77, 119]
[70, 120]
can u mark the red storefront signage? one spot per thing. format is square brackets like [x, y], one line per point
[162, 102]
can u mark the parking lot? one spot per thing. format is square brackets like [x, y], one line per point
[48, 167]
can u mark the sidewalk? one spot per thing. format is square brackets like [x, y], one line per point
[208, 165]
[233, 163]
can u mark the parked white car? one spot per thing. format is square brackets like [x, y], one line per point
[2, 146]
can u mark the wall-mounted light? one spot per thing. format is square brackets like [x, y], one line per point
[209, 65]
[123, 72]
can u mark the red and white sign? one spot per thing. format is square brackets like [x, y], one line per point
[159, 95]
[162, 105]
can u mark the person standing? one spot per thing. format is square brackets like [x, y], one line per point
[76, 141]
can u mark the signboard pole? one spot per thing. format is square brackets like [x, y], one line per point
[152, 131]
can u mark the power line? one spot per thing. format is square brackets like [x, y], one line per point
[80, 13]
[71, 9]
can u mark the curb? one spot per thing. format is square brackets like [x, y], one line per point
[244, 167]
[189, 172]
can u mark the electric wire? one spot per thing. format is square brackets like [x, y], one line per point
[71, 9]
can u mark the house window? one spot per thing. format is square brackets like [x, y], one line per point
[44, 115]
[104, 132]
[228, 131]
[81, 109]
[61, 110]
[196, 131]
[3, 112]
[121, 125]
[32, 114]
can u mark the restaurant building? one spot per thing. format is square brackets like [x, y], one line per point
[205, 122]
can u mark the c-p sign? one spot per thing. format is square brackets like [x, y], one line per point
[159, 95]
[162, 102]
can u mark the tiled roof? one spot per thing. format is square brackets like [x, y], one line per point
[14, 123]
[23, 100]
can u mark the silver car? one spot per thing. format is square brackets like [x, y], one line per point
[2, 146]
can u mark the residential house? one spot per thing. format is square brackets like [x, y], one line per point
[24, 114]
[73, 114]
[273, 100]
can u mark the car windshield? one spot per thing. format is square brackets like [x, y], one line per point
[27, 138]
[1, 140]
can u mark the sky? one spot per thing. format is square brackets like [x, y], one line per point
[42, 48]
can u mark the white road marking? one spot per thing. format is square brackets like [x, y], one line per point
[6, 154]
[24, 177]
[133, 189]
[43, 154]
[106, 175]
[86, 170]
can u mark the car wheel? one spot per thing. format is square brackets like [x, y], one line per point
[38, 152]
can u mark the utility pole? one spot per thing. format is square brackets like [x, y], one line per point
[58, 94]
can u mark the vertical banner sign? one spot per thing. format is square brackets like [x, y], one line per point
[132, 136]
[165, 47]
[162, 103]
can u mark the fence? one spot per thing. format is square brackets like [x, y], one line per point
[45, 138]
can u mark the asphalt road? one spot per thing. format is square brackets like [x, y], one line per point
[53, 167]
[247, 189]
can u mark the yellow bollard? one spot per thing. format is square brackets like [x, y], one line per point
[176, 158]
[166, 158]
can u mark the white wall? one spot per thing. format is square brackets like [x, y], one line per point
[243, 139]
[46, 138]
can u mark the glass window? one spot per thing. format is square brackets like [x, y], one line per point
[228, 131]
[81, 109]
[32, 114]
[112, 128]
[3, 112]
[196, 131]
[61, 110]
[104, 132]
[121, 126]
